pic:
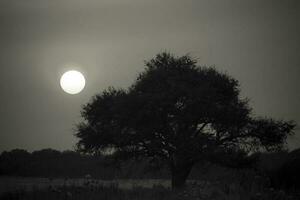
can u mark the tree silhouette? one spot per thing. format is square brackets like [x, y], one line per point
[178, 113]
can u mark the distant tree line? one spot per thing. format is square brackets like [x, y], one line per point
[282, 168]
[53, 163]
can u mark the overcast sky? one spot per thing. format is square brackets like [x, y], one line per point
[255, 41]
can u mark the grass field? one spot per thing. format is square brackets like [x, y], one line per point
[10, 184]
[89, 189]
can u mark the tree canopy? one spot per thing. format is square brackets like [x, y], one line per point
[179, 113]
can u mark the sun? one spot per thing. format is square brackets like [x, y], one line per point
[72, 82]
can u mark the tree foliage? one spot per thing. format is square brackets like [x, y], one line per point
[179, 113]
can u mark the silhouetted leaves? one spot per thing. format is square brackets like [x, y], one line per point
[178, 112]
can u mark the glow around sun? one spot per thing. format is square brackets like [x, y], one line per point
[72, 82]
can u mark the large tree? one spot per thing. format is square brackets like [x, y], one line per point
[179, 113]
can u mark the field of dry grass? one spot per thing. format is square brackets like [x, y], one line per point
[90, 189]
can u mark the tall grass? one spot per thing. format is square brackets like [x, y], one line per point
[90, 192]
[249, 189]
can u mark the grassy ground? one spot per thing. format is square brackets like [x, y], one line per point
[252, 189]
[90, 193]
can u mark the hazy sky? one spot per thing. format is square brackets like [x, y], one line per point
[255, 41]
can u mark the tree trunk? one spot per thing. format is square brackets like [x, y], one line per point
[180, 172]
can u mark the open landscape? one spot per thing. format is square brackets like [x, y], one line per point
[132, 179]
[149, 100]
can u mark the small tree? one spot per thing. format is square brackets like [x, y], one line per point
[178, 113]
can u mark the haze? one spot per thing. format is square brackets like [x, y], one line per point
[255, 41]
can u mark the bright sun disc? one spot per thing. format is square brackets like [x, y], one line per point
[72, 82]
